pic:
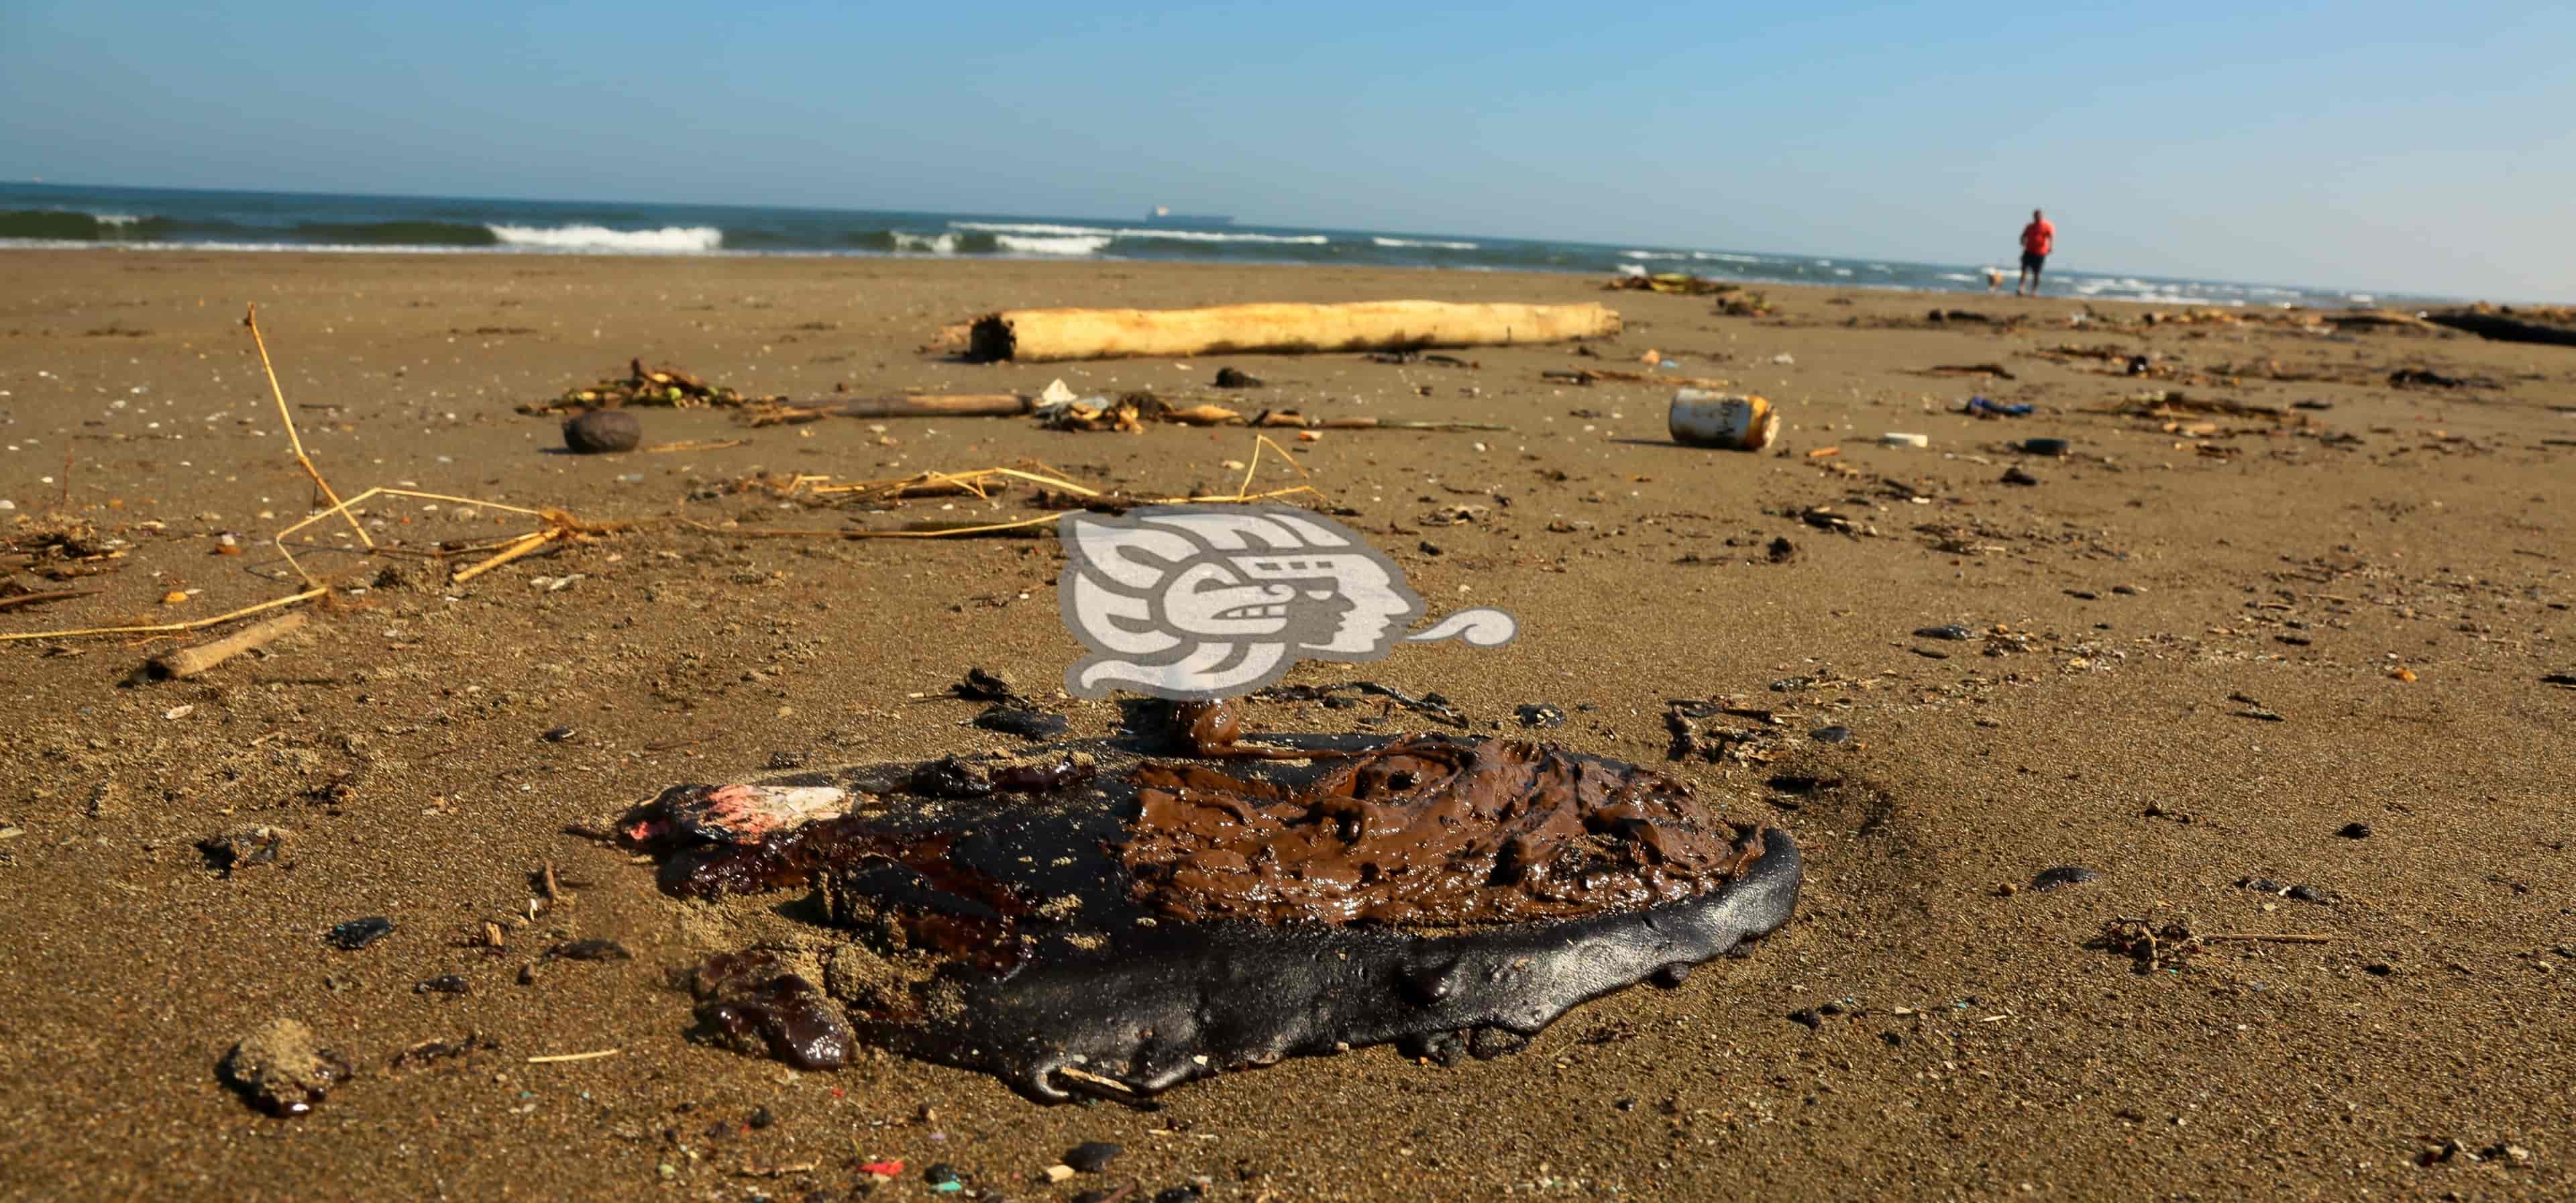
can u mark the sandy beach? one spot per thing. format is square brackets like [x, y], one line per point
[2268, 595]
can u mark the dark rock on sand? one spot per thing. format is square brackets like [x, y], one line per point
[234, 851]
[1540, 714]
[1092, 1156]
[589, 950]
[602, 430]
[1231, 378]
[1027, 722]
[359, 933]
[2063, 875]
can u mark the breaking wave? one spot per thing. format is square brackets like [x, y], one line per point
[1423, 243]
[1060, 244]
[1042, 229]
[682, 240]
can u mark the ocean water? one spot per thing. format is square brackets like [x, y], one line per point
[55, 215]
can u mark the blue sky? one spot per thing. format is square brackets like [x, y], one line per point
[2363, 144]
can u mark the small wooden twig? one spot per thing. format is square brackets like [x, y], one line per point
[1090, 1078]
[38, 599]
[560, 1058]
[187, 662]
[695, 445]
[2267, 937]
[251, 319]
[525, 544]
[167, 628]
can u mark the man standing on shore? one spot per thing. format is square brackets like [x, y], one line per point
[2037, 239]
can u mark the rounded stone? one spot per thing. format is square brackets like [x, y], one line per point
[602, 430]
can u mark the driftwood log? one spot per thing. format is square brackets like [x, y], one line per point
[1040, 335]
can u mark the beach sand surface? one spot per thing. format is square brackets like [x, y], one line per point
[2386, 579]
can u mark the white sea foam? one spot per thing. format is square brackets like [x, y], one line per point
[1654, 254]
[115, 219]
[668, 239]
[1045, 230]
[1026, 227]
[1428, 243]
[1066, 244]
[928, 244]
[1214, 236]
[1723, 257]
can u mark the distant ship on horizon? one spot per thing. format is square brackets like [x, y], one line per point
[1163, 213]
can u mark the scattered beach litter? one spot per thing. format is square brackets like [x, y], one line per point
[665, 386]
[1699, 418]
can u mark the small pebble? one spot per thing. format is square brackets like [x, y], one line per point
[1809, 1018]
[2354, 831]
[2015, 476]
[445, 983]
[2263, 884]
[590, 950]
[1831, 735]
[1952, 631]
[2305, 893]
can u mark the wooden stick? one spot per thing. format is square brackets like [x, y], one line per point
[172, 627]
[961, 405]
[279, 539]
[1616, 376]
[38, 599]
[251, 319]
[560, 1058]
[526, 543]
[189, 661]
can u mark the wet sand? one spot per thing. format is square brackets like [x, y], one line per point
[1967, 1041]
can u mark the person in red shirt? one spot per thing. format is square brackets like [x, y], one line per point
[2037, 240]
